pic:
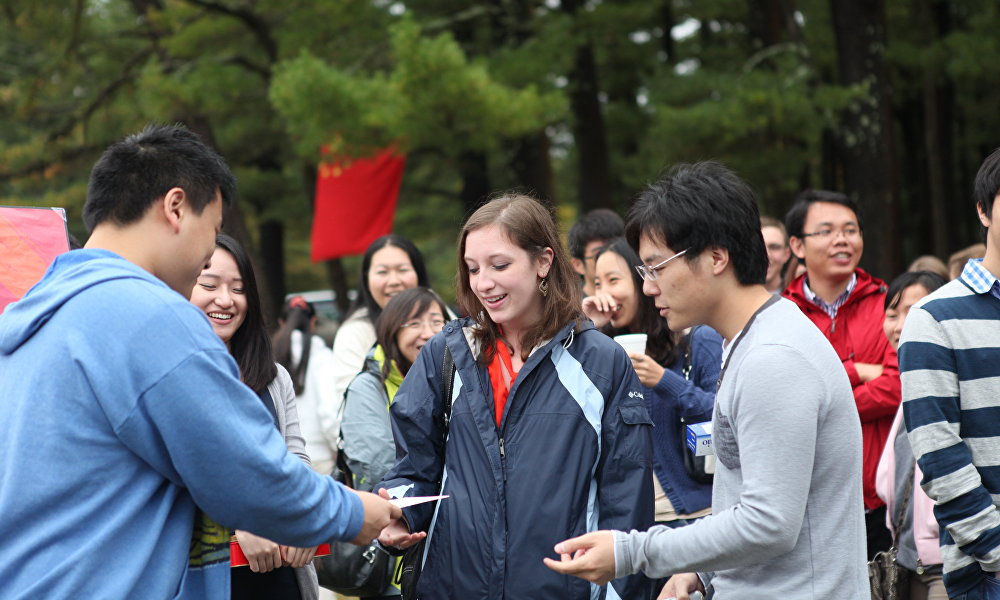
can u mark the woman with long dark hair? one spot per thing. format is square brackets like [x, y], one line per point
[390, 265]
[227, 292]
[309, 361]
[679, 372]
[548, 434]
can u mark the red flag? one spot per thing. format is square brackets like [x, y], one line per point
[30, 239]
[355, 203]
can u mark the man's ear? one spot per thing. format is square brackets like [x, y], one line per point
[174, 205]
[798, 247]
[577, 266]
[983, 217]
[720, 259]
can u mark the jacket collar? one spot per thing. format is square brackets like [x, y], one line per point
[865, 286]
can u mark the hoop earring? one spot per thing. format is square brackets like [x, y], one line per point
[543, 286]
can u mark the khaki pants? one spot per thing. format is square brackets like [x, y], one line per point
[927, 587]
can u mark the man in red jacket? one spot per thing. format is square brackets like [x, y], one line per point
[846, 303]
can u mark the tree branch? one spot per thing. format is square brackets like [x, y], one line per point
[254, 23]
[102, 96]
[42, 164]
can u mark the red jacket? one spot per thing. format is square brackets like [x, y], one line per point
[857, 336]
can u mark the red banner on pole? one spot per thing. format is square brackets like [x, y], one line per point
[30, 239]
[355, 203]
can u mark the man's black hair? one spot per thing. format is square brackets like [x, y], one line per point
[599, 224]
[702, 205]
[136, 172]
[795, 218]
[987, 184]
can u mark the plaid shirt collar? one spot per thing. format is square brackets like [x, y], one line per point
[977, 277]
[832, 307]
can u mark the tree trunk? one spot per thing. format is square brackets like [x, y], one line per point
[594, 189]
[939, 104]
[667, 22]
[768, 21]
[474, 169]
[532, 166]
[915, 204]
[338, 283]
[272, 256]
[864, 138]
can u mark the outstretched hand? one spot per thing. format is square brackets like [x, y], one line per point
[378, 513]
[396, 533]
[590, 556]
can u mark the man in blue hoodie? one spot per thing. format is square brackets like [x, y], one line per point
[126, 431]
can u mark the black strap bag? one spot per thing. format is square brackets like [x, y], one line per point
[348, 569]
[408, 572]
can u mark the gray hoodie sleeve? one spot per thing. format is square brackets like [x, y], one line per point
[367, 433]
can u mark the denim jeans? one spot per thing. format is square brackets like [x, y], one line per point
[989, 589]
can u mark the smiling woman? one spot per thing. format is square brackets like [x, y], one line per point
[226, 291]
[540, 401]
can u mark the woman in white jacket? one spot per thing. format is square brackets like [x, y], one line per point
[309, 361]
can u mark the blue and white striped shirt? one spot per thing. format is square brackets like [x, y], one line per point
[949, 361]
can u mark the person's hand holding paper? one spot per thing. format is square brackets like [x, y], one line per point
[397, 533]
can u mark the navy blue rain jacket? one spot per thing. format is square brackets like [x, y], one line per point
[572, 455]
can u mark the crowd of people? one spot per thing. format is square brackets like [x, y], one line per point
[150, 420]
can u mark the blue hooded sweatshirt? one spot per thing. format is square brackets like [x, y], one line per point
[127, 436]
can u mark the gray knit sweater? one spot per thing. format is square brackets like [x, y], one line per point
[788, 518]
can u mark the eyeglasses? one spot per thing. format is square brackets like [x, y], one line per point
[849, 232]
[435, 324]
[649, 273]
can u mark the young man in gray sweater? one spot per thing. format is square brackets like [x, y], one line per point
[787, 508]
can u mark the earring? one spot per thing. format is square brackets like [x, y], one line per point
[543, 286]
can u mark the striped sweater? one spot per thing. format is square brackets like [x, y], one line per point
[949, 359]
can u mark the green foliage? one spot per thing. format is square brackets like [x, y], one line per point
[270, 82]
[432, 98]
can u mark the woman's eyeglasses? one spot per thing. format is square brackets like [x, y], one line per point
[435, 324]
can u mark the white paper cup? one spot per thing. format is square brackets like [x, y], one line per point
[632, 342]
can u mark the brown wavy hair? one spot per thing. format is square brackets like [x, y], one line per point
[530, 226]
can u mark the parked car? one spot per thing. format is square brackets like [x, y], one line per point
[328, 317]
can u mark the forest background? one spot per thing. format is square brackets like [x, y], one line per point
[579, 102]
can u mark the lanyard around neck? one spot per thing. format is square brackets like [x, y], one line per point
[739, 338]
